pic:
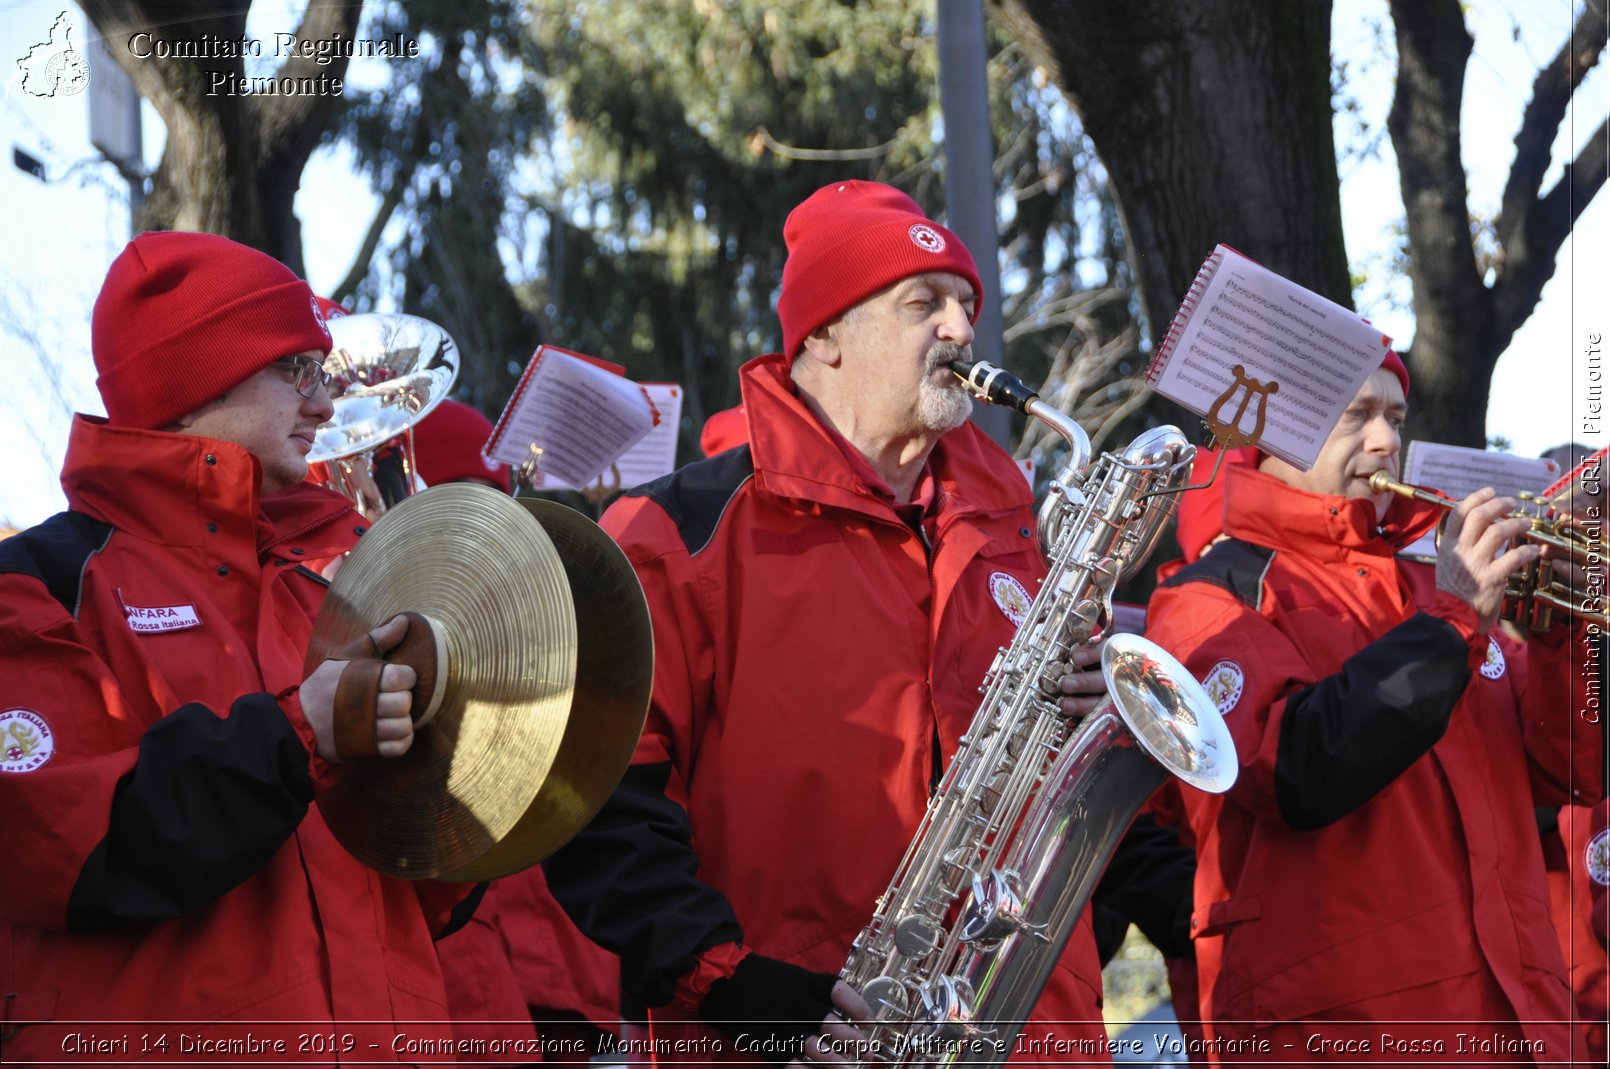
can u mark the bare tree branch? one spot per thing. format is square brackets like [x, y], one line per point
[1531, 229]
[1551, 95]
[288, 127]
[355, 275]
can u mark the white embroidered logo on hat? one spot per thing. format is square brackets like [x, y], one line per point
[319, 317]
[1011, 597]
[1224, 683]
[926, 238]
[26, 741]
[1493, 665]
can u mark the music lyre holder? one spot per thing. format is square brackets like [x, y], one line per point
[1225, 435]
[601, 491]
[529, 470]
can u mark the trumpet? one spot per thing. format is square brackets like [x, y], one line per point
[1537, 591]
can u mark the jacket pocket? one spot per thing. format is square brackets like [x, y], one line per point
[1216, 918]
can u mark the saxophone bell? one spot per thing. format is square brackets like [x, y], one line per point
[1169, 713]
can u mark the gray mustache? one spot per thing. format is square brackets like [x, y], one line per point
[943, 354]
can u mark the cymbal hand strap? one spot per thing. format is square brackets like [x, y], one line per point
[355, 698]
[358, 691]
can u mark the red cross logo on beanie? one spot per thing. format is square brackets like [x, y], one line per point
[927, 238]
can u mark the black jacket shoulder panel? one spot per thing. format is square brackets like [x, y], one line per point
[696, 495]
[56, 553]
[1233, 565]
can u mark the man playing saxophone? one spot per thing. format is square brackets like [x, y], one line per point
[826, 599]
[1372, 888]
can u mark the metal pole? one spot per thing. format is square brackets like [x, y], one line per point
[114, 121]
[970, 178]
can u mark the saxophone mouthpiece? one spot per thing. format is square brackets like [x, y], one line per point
[994, 385]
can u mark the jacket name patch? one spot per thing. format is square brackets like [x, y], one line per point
[1224, 683]
[1596, 859]
[1011, 597]
[1493, 665]
[162, 618]
[26, 741]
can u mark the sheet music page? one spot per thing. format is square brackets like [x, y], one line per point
[653, 456]
[1459, 471]
[581, 416]
[1319, 352]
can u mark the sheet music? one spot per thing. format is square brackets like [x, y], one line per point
[1459, 471]
[1241, 313]
[581, 416]
[653, 456]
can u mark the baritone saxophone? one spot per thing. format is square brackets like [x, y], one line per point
[1029, 811]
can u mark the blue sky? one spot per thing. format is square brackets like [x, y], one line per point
[62, 234]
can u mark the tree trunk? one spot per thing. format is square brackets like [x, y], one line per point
[1213, 121]
[1464, 320]
[234, 157]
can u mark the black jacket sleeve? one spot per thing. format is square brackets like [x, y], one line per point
[1148, 884]
[1347, 737]
[630, 882]
[208, 802]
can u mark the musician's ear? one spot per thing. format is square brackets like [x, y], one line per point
[822, 346]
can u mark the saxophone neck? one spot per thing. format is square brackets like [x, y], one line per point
[997, 386]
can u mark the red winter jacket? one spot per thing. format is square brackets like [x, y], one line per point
[167, 866]
[1577, 851]
[1378, 858]
[814, 666]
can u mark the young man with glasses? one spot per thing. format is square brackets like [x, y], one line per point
[162, 742]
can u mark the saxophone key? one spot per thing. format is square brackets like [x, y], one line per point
[947, 1015]
[886, 995]
[995, 910]
[916, 937]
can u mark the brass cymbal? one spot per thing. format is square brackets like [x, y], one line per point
[614, 677]
[472, 560]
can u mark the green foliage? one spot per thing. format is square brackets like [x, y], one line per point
[681, 128]
[612, 176]
[443, 141]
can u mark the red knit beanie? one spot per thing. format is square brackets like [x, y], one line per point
[330, 309]
[849, 240]
[1394, 363]
[722, 431]
[183, 318]
[448, 444]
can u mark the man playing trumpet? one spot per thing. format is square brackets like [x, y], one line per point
[1372, 888]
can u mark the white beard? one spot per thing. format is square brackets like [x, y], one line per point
[943, 407]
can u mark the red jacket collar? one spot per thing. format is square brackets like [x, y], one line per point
[160, 487]
[796, 457]
[167, 488]
[1262, 509]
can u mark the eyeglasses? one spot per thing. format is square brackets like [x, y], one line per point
[307, 373]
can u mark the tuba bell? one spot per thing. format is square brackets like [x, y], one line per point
[387, 372]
